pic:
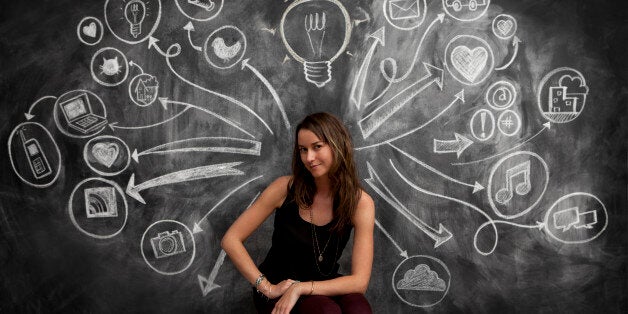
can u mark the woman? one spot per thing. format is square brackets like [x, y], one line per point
[315, 210]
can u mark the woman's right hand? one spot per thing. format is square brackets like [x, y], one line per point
[279, 289]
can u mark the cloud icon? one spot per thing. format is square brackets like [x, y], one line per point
[574, 84]
[421, 278]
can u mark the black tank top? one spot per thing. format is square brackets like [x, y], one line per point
[291, 255]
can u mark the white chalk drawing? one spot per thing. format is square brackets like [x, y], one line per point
[143, 89]
[168, 247]
[192, 174]
[469, 59]
[89, 31]
[189, 28]
[423, 285]
[106, 155]
[271, 89]
[132, 21]
[34, 154]
[402, 252]
[197, 228]
[511, 174]
[226, 145]
[501, 95]
[562, 95]
[225, 47]
[152, 43]
[405, 14]
[109, 67]
[515, 44]
[509, 123]
[114, 125]
[76, 105]
[357, 88]
[457, 146]
[381, 114]
[439, 236]
[200, 10]
[303, 27]
[482, 125]
[576, 218]
[466, 10]
[209, 284]
[29, 114]
[504, 26]
[102, 199]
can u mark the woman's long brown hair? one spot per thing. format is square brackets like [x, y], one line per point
[345, 184]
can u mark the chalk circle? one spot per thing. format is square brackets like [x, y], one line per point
[98, 208]
[107, 155]
[517, 176]
[405, 15]
[143, 89]
[109, 67]
[482, 125]
[92, 102]
[201, 11]
[501, 95]
[504, 26]
[225, 47]
[509, 123]
[119, 20]
[465, 10]
[90, 31]
[576, 218]
[34, 154]
[168, 247]
[469, 59]
[562, 94]
[421, 281]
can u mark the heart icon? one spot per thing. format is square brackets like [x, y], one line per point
[504, 26]
[90, 30]
[469, 63]
[106, 153]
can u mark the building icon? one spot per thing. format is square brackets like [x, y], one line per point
[561, 101]
[146, 90]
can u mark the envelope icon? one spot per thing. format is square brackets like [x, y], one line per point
[404, 9]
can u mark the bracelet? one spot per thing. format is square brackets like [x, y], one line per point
[258, 281]
[312, 290]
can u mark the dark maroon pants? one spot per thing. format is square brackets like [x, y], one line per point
[317, 304]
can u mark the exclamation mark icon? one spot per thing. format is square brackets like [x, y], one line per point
[483, 124]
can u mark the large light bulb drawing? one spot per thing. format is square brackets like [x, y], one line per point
[135, 12]
[312, 31]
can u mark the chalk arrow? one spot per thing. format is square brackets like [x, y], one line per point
[208, 284]
[402, 252]
[515, 43]
[439, 236]
[114, 125]
[152, 43]
[189, 27]
[452, 146]
[226, 145]
[270, 30]
[133, 64]
[358, 22]
[198, 173]
[271, 89]
[358, 84]
[29, 114]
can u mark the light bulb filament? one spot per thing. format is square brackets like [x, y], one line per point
[315, 29]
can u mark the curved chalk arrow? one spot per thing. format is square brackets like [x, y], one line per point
[271, 89]
[114, 125]
[133, 64]
[29, 114]
[198, 173]
[152, 43]
[189, 27]
[515, 43]
[208, 284]
[402, 252]
[452, 146]
[357, 89]
[227, 145]
[439, 236]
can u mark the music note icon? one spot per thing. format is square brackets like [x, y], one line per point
[504, 195]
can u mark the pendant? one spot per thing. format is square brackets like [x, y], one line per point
[320, 258]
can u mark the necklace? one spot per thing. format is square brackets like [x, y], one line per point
[315, 238]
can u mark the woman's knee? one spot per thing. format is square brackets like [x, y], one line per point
[354, 303]
[318, 304]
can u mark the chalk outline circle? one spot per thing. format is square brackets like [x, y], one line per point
[71, 211]
[126, 71]
[490, 68]
[212, 34]
[128, 154]
[490, 114]
[79, 30]
[222, 2]
[55, 113]
[404, 28]
[579, 241]
[509, 17]
[193, 248]
[9, 150]
[499, 127]
[430, 258]
[490, 183]
[508, 86]
[488, 2]
[131, 93]
[132, 42]
[542, 85]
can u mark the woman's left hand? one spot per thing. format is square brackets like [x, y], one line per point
[288, 299]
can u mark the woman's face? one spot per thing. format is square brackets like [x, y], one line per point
[316, 154]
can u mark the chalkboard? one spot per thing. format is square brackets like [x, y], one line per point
[491, 135]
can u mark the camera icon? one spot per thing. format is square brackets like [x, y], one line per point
[167, 244]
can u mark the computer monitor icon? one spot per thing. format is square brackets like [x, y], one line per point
[79, 116]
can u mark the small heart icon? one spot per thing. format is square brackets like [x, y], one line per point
[504, 26]
[90, 30]
[106, 153]
[469, 63]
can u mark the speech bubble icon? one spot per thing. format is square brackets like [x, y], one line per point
[566, 218]
[587, 219]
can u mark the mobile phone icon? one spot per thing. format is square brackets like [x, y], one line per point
[36, 158]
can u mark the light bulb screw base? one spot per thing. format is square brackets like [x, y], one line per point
[135, 29]
[318, 72]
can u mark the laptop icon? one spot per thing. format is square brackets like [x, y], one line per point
[78, 113]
